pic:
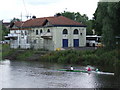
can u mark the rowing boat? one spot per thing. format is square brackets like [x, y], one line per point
[84, 71]
[68, 70]
[98, 72]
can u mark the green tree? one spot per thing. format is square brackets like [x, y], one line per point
[99, 14]
[117, 19]
[70, 15]
[15, 19]
[5, 32]
[0, 30]
[83, 19]
[107, 22]
[108, 36]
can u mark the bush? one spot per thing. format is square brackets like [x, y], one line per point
[98, 57]
[61, 60]
[108, 58]
[24, 55]
[91, 59]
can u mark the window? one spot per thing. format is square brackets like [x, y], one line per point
[22, 33]
[75, 31]
[27, 41]
[41, 31]
[35, 41]
[25, 32]
[81, 34]
[48, 30]
[36, 32]
[65, 31]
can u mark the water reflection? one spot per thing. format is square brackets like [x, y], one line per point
[20, 74]
[4, 73]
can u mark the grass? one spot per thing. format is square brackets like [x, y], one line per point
[0, 51]
[20, 54]
[25, 54]
[6, 50]
[97, 57]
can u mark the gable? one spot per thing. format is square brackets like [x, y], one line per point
[47, 23]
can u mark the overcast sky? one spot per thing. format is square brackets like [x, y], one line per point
[44, 8]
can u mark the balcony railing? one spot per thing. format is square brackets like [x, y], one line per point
[11, 36]
[46, 35]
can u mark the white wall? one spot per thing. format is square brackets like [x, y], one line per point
[58, 36]
[50, 44]
[21, 40]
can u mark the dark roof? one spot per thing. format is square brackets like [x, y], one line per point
[6, 23]
[18, 23]
[54, 21]
[61, 20]
[37, 22]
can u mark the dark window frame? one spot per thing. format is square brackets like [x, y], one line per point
[65, 31]
[76, 31]
[37, 32]
[48, 30]
[41, 31]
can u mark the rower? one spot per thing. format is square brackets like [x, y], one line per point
[71, 68]
[89, 69]
[96, 70]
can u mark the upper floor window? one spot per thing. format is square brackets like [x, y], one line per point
[14, 31]
[36, 32]
[41, 31]
[65, 31]
[25, 32]
[48, 30]
[22, 33]
[75, 31]
[81, 34]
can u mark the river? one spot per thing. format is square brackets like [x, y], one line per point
[33, 74]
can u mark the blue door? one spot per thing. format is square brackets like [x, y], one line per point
[76, 42]
[65, 42]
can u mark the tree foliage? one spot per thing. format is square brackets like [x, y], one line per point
[107, 22]
[79, 18]
[15, 19]
[5, 32]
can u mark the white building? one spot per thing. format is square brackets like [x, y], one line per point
[49, 33]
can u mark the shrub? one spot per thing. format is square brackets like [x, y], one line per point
[90, 59]
[24, 55]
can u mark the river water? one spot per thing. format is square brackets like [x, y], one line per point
[33, 74]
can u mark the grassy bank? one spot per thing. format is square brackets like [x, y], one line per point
[20, 54]
[0, 51]
[6, 51]
[99, 57]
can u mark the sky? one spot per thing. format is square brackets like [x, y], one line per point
[44, 8]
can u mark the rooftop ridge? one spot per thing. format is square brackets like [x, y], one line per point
[54, 20]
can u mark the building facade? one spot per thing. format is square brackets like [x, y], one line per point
[48, 33]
